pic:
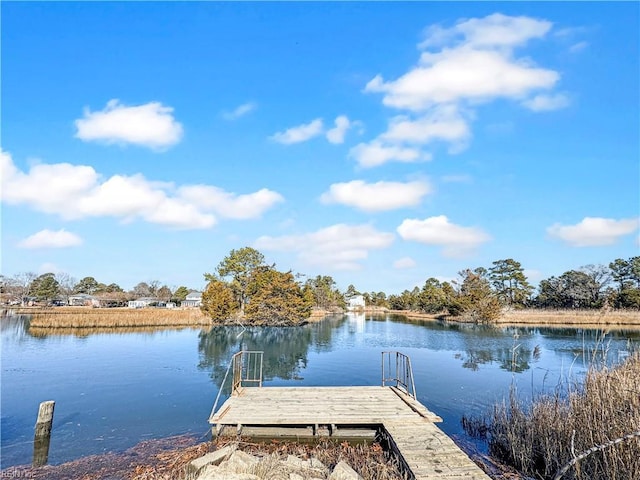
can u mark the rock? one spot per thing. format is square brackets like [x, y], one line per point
[211, 472]
[342, 471]
[317, 464]
[213, 458]
[239, 462]
[231, 464]
[295, 462]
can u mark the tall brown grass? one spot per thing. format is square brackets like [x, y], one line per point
[541, 317]
[83, 317]
[540, 439]
[87, 331]
[570, 317]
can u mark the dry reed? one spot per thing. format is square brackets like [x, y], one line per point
[555, 429]
[86, 317]
[87, 331]
[570, 317]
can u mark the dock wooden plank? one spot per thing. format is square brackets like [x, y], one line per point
[428, 451]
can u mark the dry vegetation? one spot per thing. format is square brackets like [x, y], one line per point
[540, 318]
[87, 331]
[371, 461]
[570, 317]
[104, 318]
[599, 418]
[167, 459]
[86, 317]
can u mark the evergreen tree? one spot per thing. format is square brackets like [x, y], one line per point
[218, 301]
[45, 287]
[276, 298]
[239, 266]
[509, 282]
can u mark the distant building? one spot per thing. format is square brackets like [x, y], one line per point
[83, 300]
[193, 299]
[142, 302]
[356, 303]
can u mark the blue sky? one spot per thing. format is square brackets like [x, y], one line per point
[379, 143]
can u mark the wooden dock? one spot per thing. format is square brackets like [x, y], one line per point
[427, 452]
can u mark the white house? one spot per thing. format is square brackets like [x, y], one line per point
[142, 302]
[356, 303]
[193, 299]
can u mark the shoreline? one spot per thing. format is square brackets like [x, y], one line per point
[622, 319]
[79, 318]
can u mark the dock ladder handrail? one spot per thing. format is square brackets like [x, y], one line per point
[396, 367]
[247, 367]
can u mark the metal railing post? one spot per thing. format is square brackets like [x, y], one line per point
[403, 372]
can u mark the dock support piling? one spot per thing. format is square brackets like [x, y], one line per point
[42, 437]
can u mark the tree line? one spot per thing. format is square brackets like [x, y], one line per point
[244, 286]
[58, 287]
[481, 294]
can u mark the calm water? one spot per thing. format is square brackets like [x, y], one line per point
[113, 390]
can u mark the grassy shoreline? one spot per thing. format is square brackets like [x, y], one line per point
[546, 318]
[168, 459]
[587, 430]
[86, 317]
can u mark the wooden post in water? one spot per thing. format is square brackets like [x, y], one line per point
[42, 436]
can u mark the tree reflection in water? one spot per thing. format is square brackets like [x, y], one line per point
[285, 348]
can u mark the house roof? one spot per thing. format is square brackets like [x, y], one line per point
[82, 295]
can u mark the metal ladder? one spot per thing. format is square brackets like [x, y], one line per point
[397, 372]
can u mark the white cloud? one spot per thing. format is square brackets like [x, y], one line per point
[441, 123]
[404, 262]
[462, 74]
[496, 30]
[240, 111]
[377, 197]
[544, 103]
[375, 153]
[455, 240]
[78, 191]
[338, 247]
[336, 134]
[461, 67]
[578, 47]
[594, 231]
[150, 125]
[231, 205]
[301, 133]
[51, 239]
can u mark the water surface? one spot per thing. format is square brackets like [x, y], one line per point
[114, 389]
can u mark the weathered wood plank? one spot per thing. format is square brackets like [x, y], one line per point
[426, 450]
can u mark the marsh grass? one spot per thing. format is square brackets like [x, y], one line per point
[83, 332]
[85, 317]
[540, 439]
[570, 317]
